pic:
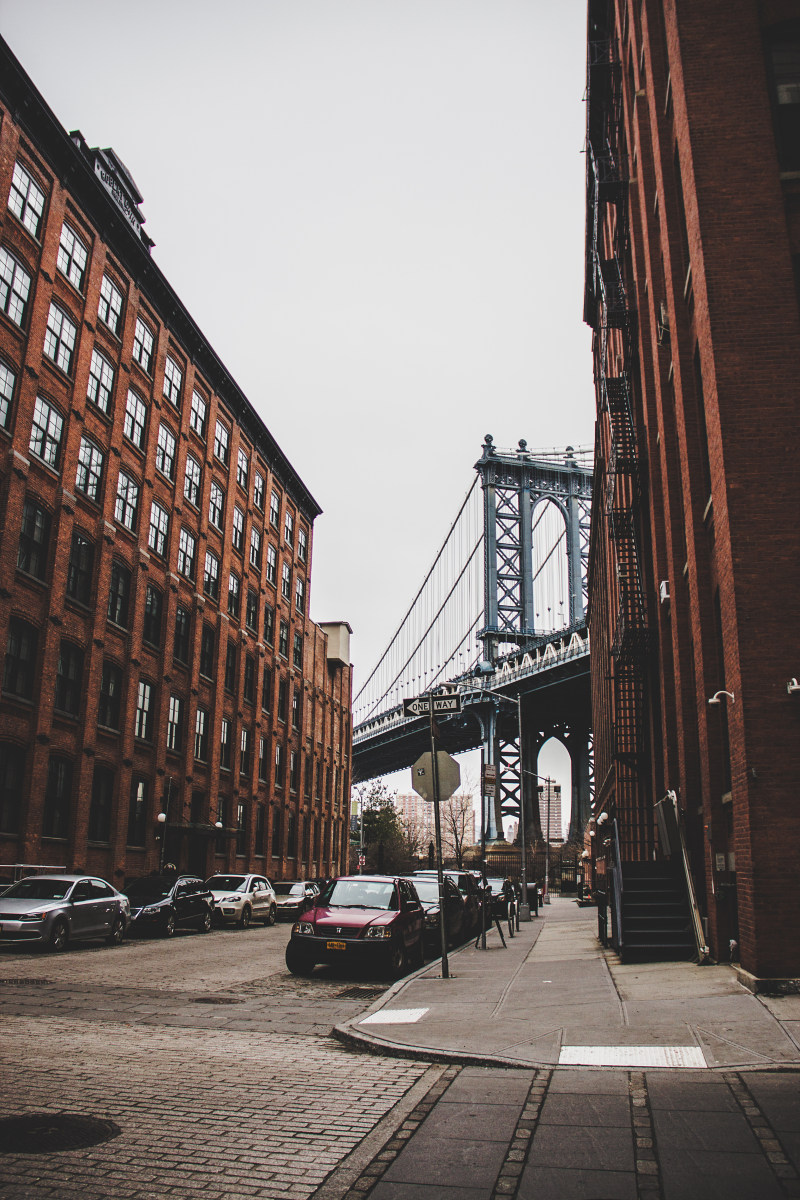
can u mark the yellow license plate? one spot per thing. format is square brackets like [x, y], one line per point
[337, 945]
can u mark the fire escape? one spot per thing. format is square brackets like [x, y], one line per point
[611, 313]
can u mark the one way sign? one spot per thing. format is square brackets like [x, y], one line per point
[421, 705]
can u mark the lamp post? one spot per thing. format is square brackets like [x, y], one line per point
[163, 818]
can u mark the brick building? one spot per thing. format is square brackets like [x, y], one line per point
[155, 557]
[692, 285]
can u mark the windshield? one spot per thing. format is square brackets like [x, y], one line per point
[39, 889]
[289, 889]
[427, 890]
[226, 883]
[361, 893]
[157, 887]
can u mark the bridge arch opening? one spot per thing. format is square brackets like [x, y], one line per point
[550, 566]
[554, 763]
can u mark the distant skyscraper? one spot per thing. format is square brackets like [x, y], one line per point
[552, 792]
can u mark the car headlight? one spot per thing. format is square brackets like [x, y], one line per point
[230, 900]
[152, 909]
[35, 916]
[303, 927]
[432, 918]
[378, 931]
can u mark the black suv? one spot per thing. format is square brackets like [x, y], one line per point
[161, 903]
[470, 893]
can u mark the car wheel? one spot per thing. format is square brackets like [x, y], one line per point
[205, 923]
[59, 936]
[297, 962]
[272, 916]
[117, 932]
[397, 962]
[169, 925]
[244, 919]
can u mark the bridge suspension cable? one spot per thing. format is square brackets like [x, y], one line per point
[436, 638]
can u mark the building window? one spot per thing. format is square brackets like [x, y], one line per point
[288, 529]
[784, 51]
[102, 803]
[258, 490]
[269, 624]
[297, 650]
[127, 501]
[89, 474]
[272, 564]
[263, 759]
[234, 595]
[255, 548]
[72, 257]
[225, 745]
[187, 549]
[59, 338]
[249, 688]
[299, 594]
[283, 700]
[275, 848]
[173, 379]
[7, 381]
[279, 765]
[266, 689]
[242, 469]
[283, 640]
[182, 639]
[69, 679]
[198, 415]
[137, 812]
[201, 735]
[261, 824]
[110, 308]
[135, 418]
[192, 481]
[46, 431]
[153, 613]
[291, 835]
[286, 581]
[208, 643]
[241, 830]
[216, 505]
[211, 576]
[80, 569]
[57, 798]
[302, 544]
[119, 594]
[165, 451]
[101, 381]
[295, 709]
[143, 720]
[12, 774]
[244, 755]
[274, 509]
[157, 534]
[15, 287]
[26, 199]
[294, 771]
[110, 696]
[34, 540]
[143, 345]
[221, 443]
[251, 611]
[307, 774]
[175, 724]
[20, 667]
[237, 533]
[231, 667]
[220, 844]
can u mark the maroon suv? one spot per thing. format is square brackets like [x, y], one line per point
[376, 920]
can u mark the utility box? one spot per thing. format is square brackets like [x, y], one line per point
[338, 634]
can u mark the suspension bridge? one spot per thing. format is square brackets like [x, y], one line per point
[500, 620]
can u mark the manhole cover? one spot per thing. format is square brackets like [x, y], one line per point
[45, 1133]
[361, 993]
[217, 1000]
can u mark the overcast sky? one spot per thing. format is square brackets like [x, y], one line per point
[374, 209]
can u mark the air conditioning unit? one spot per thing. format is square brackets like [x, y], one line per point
[663, 591]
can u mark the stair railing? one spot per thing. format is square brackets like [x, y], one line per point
[671, 830]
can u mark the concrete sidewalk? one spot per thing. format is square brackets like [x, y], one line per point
[554, 997]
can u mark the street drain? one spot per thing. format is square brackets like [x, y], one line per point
[217, 1000]
[25, 982]
[361, 993]
[47, 1133]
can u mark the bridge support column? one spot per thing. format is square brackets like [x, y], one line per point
[581, 791]
[490, 801]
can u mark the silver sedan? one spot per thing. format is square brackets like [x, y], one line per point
[51, 910]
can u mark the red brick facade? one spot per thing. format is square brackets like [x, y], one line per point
[155, 557]
[697, 110]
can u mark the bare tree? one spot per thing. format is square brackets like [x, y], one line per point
[458, 825]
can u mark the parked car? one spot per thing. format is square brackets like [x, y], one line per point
[374, 920]
[499, 905]
[162, 903]
[470, 892]
[243, 898]
[294, 897]
[52, 910]
[455, 915]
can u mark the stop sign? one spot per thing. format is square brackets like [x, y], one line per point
[422, 775]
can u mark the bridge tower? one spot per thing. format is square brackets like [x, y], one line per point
[517, 487]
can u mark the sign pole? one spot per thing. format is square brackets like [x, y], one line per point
[438, 828]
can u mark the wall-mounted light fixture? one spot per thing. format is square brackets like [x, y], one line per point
[603, 817]
[792, 686]
[715, 699]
